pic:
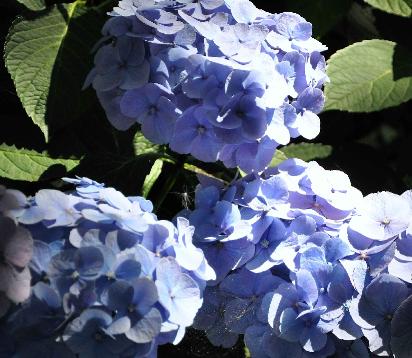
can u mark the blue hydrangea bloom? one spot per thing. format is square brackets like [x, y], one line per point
[381, 216]
[401, 330]
[293, 258]
[102, 272]
[236, 79]
[325, 280]
[93, 334]
[375, 308]
[16, 249]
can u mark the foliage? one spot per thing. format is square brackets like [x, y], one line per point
[48, 58]
[369, 76]
[397, 7]
[130, 291]
[23, 164]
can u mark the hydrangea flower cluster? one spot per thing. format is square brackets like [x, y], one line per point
[96, 274]
[305, 265]
[219, 79]
[16, 249]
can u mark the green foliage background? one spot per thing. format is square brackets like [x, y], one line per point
[51, 128]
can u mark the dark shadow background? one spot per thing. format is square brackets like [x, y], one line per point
[374, 149]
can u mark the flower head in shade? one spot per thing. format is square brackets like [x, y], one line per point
[375, 308]
[16, 249]
[401, 329]
[102, 272]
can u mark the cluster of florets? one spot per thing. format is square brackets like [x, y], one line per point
[219, 79]
[305, 266]
[96, 273]
[16, 249]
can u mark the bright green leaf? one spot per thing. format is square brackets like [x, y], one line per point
[143, 146]
[194, 169]
[241, 172]
[28, 165]
[369, 76]
[48, 59]
[397, 7]
[278, 158]
[151, 178]
[34, 5]
[307, 151]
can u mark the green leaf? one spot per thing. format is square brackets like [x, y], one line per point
[397, 7]
[151, 178]
[194, 169]
[307, 151]
[144, 146]
[48, 59]
[278, 158]
[28, 165]
[369, 76]
[34, 5]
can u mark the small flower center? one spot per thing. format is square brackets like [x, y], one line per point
[201, 129]
[385, 222]
[220, 245]
[240, 113]
[316, 205]
[363, 255]
[152, 110]
[98, 336]
[265, 244]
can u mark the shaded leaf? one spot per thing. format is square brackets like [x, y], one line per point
[48, 59]
[307, 151]
[396, 7]
[144, 146]
[23, 164]
[34, 5]
[369, 76]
